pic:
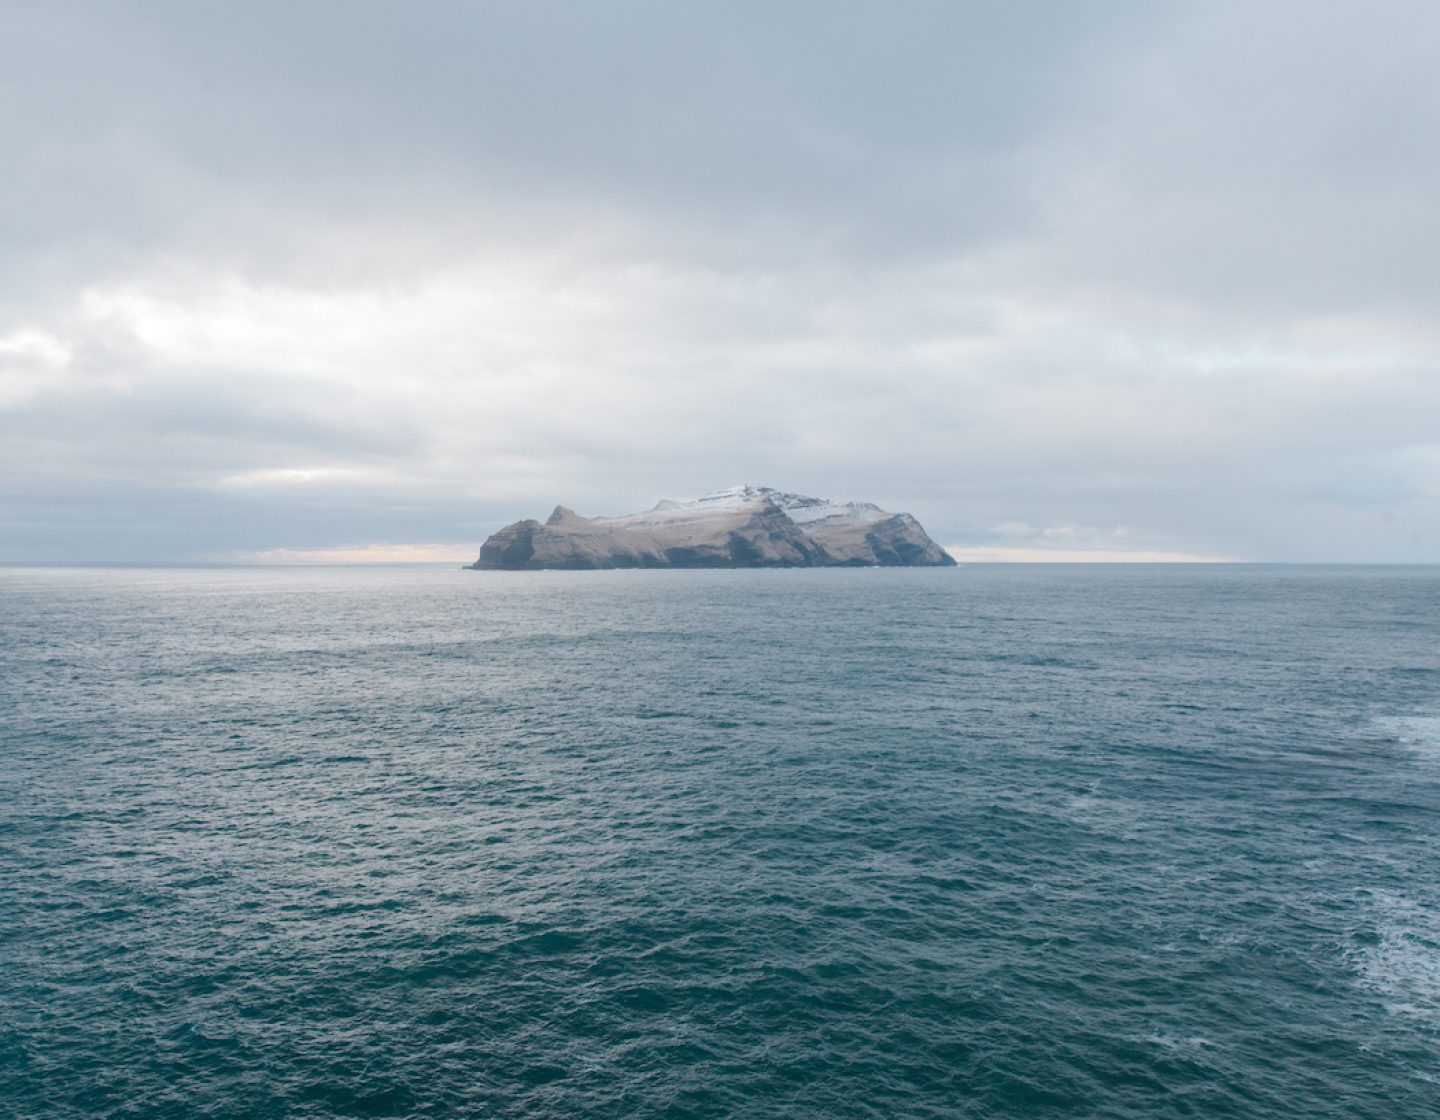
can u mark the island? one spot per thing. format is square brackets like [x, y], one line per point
[742, 527]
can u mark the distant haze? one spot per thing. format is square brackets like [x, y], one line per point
[368, 280]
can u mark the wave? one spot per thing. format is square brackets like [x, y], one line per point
[1420, 733]
[1400, 961]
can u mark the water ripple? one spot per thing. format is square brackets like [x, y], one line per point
[987, 842]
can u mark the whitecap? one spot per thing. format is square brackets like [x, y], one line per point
[1400, 964]
[1420, 733]
[1185, 1045]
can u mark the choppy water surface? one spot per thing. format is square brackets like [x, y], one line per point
[1079, 842]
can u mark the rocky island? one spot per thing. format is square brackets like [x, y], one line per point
[742, 527]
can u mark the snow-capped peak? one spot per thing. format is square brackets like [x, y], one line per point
[800, 508]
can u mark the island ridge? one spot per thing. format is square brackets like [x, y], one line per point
[742, 527]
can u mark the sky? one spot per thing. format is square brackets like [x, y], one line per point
[361, 280]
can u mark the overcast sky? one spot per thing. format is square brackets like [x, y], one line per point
[1072, 279]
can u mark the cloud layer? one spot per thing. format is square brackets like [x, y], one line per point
[1117, 279]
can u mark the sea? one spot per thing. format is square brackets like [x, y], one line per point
[995, 841]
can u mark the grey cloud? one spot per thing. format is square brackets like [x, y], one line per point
[1158, 275]
[1255, 161]
[135, 128]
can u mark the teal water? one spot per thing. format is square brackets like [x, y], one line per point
[987, 842]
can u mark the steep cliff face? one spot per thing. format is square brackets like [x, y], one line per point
[743, 527]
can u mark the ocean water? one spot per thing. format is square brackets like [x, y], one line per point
[987, 842]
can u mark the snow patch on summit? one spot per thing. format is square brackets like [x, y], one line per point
[800, 508]
[804, 511]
